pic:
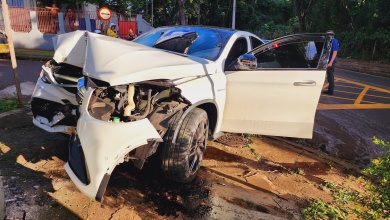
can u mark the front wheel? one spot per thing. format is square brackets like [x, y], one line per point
[182, 157]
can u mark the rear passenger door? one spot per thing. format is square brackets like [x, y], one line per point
[280, 97]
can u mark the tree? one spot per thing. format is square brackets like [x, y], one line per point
[302, 8]
[181, 11]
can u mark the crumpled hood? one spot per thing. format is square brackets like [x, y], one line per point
[117, 61]
[70, 48]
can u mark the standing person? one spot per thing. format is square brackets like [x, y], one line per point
[111, 30]
[331, 63]
[54, 17]
[71, 18]
[131, 35]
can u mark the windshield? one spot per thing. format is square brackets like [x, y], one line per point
[208, 42]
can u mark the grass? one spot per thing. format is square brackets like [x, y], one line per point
[34, 52]
[373, 203]
[319, 209]
[254, 152]
[8, 104]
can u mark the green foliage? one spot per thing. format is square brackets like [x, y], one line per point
[373, 204]
[331, 186]
[8, 104]
[362, 27]
[298, 171]
[379, 200]
[319, 209]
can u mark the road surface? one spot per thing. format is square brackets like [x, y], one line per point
[348, 120]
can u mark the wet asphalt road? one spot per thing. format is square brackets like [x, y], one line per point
[347, 121]
[28, 71]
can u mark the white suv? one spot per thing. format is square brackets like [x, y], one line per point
[171, 90]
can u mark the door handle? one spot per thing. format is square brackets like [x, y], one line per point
[305, 83]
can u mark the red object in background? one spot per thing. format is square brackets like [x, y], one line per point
[275, 45]
[124, 27]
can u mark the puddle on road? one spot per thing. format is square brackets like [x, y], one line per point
[348, 135]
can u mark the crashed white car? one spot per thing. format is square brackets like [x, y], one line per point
[171, 90]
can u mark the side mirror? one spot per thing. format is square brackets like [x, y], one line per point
[247, 62]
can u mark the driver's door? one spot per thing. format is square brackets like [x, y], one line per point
[280, 97]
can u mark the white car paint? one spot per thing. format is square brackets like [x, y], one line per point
[106, 143]
[52, 92]
[283, 100]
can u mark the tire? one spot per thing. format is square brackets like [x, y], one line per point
[182, 157]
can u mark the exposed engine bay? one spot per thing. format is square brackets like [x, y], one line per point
[126, 103]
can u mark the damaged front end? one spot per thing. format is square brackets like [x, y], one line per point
[118, 111]
[117, 124]
[53, 102]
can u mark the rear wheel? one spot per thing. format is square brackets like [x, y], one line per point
[183, 155]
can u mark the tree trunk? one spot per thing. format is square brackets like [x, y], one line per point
[181, 11]
[301, 14]
[373, 51]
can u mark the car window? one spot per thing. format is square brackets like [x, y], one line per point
[255, 42]
[150, 38]
[291, 55]
[239, 48]
[308, 51]
[208, 44]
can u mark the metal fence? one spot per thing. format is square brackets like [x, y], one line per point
[73, 20]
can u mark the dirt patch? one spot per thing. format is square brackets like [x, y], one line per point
[264, 180]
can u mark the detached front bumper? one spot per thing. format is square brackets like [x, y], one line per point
[103, 145]
[53, 108]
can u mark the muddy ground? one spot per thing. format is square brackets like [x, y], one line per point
[268, 180]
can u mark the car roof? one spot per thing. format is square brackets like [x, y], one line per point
[200, 26]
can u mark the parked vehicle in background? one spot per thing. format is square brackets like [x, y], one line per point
[170, 91]
[4, 47]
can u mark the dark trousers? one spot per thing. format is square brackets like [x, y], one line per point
[330, 75]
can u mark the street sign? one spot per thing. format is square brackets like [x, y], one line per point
[104, 13]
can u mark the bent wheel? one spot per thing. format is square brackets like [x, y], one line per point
[182, 156]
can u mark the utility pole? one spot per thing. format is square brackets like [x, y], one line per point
[234, 15]
[152, 13]
[7, 24]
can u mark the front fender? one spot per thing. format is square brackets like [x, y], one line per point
[104, 144]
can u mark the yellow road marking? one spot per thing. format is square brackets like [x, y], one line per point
[357, 102]
[377, 96]
[327, 84]
[364, 85]
[348, 99]
[361, 95]
[352, 106]
[350, 87]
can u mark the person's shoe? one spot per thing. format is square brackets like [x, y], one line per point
[327, 92]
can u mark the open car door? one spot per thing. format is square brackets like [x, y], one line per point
[279, 95]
